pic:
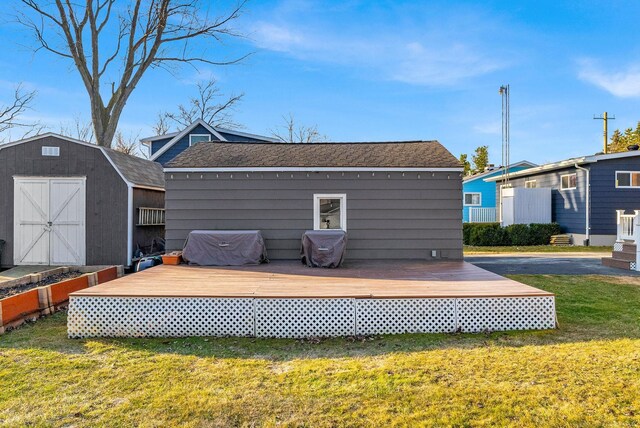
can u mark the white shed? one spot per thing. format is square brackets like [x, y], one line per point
[525, 205]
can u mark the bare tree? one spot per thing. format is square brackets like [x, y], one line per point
[129, 145]
[210, 105]
[12, 112]
[148, 33]
[161, 126]
[78, 129]
[290, 132]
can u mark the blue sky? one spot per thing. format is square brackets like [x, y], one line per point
[390, 70]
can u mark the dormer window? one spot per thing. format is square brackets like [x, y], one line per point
[198, 138]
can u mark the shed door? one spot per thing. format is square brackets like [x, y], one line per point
[49, 221]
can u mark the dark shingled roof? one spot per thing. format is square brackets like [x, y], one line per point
[140, 172]
[407, 154]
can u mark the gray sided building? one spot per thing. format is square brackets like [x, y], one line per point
[400, 200]
[68, 202]
[586, 192]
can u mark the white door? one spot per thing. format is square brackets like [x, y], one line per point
[49, 221]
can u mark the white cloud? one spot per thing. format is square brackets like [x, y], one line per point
[278, 38]
[490, 128]
[413, 59]
[623, 84]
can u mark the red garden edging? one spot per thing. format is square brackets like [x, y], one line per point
[30, 304]
[59, 292]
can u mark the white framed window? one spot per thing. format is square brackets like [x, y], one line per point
[330, 211]
[531, 184]
[627, 179]
[472, 199]
[568, 182]
[198, 138]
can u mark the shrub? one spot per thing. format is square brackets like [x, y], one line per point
[492, 234]
[541, 233]
[487, 234]
[518, 234]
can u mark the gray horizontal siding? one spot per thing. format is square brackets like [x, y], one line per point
[568, 206]
[388, 215]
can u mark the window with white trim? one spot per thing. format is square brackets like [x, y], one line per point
[531, 184]
[627, 179]
[568, 182]
[198, 138]
[472, 199]
[330, 211]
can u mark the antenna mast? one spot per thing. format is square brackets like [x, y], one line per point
[504, 92]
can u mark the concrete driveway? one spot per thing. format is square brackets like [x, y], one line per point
[547, 263]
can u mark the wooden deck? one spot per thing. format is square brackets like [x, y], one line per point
[290, 279]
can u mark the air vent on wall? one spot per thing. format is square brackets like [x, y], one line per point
[50, 151]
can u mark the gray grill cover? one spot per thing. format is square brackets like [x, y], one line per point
[323, 248]
[224, 248]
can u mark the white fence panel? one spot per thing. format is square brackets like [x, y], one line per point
[482, 215]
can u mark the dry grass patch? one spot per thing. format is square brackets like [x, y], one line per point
[586, 373]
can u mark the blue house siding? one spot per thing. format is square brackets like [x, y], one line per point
[158, 144]
[182, 144]
[568, 207]
[606, 198]
[486, 189]
[240, 138]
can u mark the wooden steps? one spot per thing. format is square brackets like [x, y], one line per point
[561, 240]
[622, 259]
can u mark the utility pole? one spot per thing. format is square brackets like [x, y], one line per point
[605, 119]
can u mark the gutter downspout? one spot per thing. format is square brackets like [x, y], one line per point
[588, 205]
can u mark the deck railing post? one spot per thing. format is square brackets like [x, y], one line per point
[619, 214]
[636, 238]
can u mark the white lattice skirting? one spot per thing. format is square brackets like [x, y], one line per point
[197, 316]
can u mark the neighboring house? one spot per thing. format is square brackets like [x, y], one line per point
[68, 202]
[163, 148]
[398, 200]
[479, 203]
[586, 192]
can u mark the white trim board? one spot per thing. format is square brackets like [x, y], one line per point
[82, 143]
[568, 163]
[499, 169]
[184, 132]
[311, 169]
[343, 209]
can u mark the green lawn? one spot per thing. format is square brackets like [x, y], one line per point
[587, 373]
[469, 249]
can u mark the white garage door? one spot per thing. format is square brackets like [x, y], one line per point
[49, 221]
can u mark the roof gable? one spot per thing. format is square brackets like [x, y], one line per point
[133, 170]
[499, 170]
[408, 155]
[184, 133]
